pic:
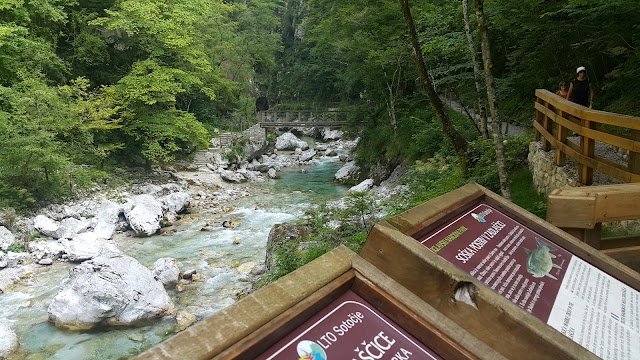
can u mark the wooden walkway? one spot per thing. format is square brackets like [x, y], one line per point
[557, 117]
[302, 118]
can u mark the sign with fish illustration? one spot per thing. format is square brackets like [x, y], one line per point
[349, 328]
[581, 301]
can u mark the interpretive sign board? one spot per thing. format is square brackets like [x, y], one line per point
[574, 297]
[337, 307]
[510, 272]
[349, 327]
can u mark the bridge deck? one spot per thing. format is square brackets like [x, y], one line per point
[302, 118]
[273, 124]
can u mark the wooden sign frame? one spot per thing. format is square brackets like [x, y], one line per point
[516, 334]
[249, 327]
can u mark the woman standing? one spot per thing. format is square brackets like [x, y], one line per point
[562, 90]
[580, 91]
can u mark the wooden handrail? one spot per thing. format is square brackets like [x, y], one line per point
[270, 118]
[556, 116]
[581, 211]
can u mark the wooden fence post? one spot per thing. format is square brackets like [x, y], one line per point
[634, 157]
[561, 158]
[587, 145]
[546, 124]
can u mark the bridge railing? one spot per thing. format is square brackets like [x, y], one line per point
[556, 117]
[294, 118]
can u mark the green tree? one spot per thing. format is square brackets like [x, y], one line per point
[27, 40]
[33, 158]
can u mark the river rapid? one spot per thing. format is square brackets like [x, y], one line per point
[219, 257]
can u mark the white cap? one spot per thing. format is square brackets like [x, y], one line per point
[581, 68]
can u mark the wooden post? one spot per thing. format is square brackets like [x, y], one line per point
[546, 123]
[561, 158]
[538, 119]
[590, 237]
[587, 145]
[629, 256]
[634, 157]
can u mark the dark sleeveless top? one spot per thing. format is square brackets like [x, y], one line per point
[580, 93]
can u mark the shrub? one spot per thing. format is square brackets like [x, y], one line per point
[16, 247]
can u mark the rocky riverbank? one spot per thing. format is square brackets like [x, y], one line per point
[109, 288]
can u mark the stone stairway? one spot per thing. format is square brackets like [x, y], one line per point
[203, 157]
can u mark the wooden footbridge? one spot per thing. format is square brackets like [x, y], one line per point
[303, 118]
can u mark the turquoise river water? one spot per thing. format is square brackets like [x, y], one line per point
[213, 254]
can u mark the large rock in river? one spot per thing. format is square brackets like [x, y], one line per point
[176, 202]
[108, 216]
[8, 341]
[288, 141]
[166, 271]
[87, 246]
[307, 155]
[348, 173]
[144, 214]
[112, 290]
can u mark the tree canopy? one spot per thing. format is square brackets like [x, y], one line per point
[90, 84]
[86, 85]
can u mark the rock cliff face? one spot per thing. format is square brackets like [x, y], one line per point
[109, 290]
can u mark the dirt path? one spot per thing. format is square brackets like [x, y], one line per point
[508, 129]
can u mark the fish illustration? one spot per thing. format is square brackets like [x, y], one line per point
[540, 260]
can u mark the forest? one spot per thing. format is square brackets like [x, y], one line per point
[89, 87]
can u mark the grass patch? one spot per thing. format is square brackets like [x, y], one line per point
[525, 195]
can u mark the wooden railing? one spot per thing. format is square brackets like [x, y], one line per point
[556, 117]
[295, 118]
[581, 211]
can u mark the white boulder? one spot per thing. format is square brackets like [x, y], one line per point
[47, 249]
[87, 246]
[8, 341]
[108, 217]
[348, 172]
[307, 155]
[366, 185]
[289, 141]
[328, 134]
[232, 176]
[113, 290]
[6, 238]
[45, 225]
[176, 202]
[69, 227]
[66, 228]
[144, 214]
[166, 271]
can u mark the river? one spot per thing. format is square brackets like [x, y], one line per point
[215, 255]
